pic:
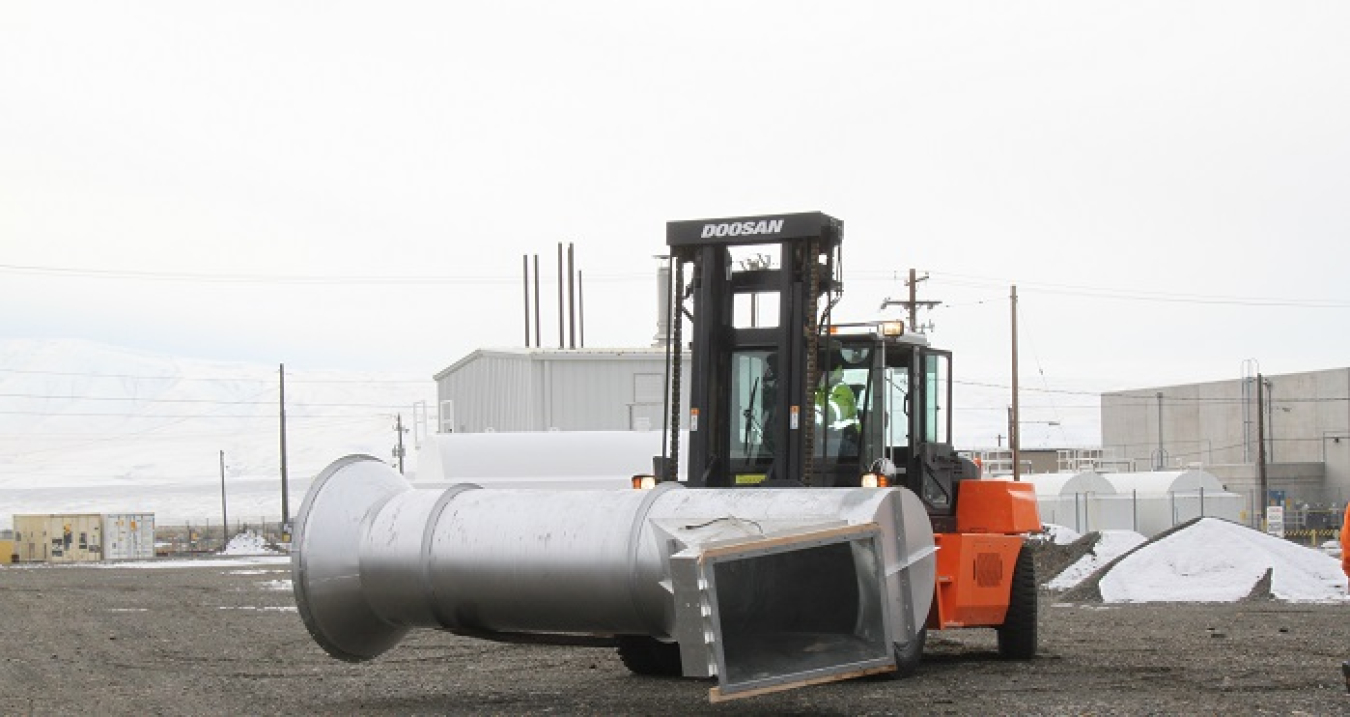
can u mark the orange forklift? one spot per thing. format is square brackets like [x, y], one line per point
[781, 395]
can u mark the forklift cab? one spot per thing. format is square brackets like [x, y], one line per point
[779, 394]
[881, 409]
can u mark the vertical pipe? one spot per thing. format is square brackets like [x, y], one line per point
[1015, 428]
[285, 491]
[538, 342]
[571, 297]
[525, 271]
[562, 326]
[1134, 508]
[1162, 452]
[1261, 446]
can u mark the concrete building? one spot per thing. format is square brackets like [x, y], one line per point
[1305, 418]
[555, 389]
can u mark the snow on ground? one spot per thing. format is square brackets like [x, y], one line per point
[1111, 545]
[1218, 561]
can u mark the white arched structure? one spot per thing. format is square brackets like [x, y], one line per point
[1084, 501]
[1164, 499]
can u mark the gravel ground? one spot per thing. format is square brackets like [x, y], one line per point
[227, 640]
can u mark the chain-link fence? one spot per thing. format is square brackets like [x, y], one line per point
[207, 537]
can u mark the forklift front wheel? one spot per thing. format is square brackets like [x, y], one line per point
[650, 657]
[1017, 634]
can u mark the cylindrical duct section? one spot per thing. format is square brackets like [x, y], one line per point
[374, 557]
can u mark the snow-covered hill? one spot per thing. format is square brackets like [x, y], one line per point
[91, 427]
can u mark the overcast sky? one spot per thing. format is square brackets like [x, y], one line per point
[352, 185]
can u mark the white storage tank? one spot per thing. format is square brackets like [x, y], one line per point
[1084, 501]
[1164, 499]
[583, 460]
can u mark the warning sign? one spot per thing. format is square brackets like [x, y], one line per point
[1275, 520]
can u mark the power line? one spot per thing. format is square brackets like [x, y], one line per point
[290, 279]
[1143, 295]
[209, 401]
[504, 279]
[1151, 399]
[211, 379]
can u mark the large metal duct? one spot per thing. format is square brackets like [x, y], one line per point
[841, 577]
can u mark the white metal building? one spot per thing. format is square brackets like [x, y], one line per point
[554, 389]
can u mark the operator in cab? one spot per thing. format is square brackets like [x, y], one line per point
[837, 413]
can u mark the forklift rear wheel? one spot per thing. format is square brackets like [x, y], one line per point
[649, 656]
[1017, 635]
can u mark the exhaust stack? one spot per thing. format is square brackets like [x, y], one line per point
[765, 588]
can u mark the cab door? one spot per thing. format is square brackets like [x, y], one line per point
[934, 467]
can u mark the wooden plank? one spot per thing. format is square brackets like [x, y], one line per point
[716, 695]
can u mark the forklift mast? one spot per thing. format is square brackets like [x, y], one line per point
[751, 398]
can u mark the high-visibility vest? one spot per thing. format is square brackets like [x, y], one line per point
[841, 409]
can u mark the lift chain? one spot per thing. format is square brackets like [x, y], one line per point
[677, 351]
[808, 411]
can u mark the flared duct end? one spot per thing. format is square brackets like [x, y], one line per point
[326, 560]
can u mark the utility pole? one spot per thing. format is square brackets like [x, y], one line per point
[913, 304]
[224, 516]
[285, 491]
[1261, 445]
[1014, 430]
[399, 430]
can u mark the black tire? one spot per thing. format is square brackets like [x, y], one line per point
[908, 656]
[1017, 635]
[650, 657]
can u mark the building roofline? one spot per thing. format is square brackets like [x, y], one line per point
[537, 354]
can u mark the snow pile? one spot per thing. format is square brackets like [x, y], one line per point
[247, 543]
[1217, 561]
[1110, 545]
[1060, 535]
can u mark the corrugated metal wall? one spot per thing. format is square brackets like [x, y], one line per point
[567, 391]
